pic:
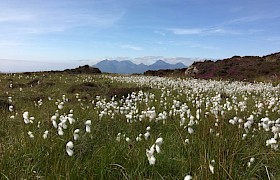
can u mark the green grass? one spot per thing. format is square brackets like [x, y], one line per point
[97, 155]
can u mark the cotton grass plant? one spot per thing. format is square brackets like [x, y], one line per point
[169, 129]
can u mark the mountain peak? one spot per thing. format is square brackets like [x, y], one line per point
[128, 67]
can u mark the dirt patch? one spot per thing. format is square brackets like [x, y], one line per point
[4, 105]
[124, 91]
[103, 89]
[85, 87]
[34, 82]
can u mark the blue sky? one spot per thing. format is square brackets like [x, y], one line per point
[38, 35]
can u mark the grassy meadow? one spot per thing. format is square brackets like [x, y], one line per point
[63, 126]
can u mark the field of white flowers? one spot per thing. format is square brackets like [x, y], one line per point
[59, 126]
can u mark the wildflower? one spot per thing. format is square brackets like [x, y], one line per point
[252, 159]
[69, 148]
[26, 118]
[38, 124]
[76, 135]
[60, 105]
[30, 134]
[10, 99]
[127, 139]
[88, 124]
[188, 177]
[118, 137]
[190, 130]
[273, 143]
[31, 119]
[11, 108]
[60, 131]
[70, 118]
[150, 155]
[53, 119]
[158, 143]
[45, 135]
[211, 166]
[147, 135]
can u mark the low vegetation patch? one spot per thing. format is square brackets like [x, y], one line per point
[137, 127]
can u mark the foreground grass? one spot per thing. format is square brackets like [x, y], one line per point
[116, 106]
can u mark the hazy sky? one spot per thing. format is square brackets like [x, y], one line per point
[58, 34]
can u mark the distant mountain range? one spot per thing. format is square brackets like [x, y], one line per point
[128, 67]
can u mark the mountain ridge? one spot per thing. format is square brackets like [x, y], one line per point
[128, 67]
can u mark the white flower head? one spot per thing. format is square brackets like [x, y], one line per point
[118, 137]
[69, 148]
[147, 135]
[190, 130]
[30, 134]
[150, 155]
[25, 116]
[211, 166]
[11, 108]
[76, 134]
[159, 141]
[188, 177]
[60, 131]
[88, 124]
[45, 135]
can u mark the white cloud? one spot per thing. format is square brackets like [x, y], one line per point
[160, 33]
[173, 60]
[255, 18]
[202, 31]
[47, 17]
[132, 47]
[186, 31]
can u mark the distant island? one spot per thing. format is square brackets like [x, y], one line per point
[128, 67]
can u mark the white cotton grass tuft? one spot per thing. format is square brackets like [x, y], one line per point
[146, 135]
[118, 137]
[60, 105]
[153, 148]
[60, 131]
[150, 155]
[76, 134]
[88, 124]
[69, 148]
[211, 166]
[25, 116]
[158, 143]
[54, 123]
[45, 135]
[190, 130]
[252, 160]
[30, 134]
[11, 108]
[188, 177]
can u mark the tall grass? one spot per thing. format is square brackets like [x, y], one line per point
[98, 155]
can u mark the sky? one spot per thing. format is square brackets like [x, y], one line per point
[50, 35]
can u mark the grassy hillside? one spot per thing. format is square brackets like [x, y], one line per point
[241, 68]
[69, 126]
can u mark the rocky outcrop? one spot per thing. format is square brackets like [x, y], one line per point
[83, 70]
[191, 71]
[272, 57]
